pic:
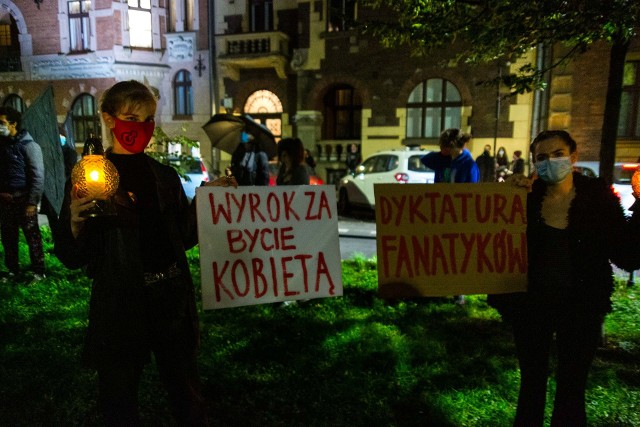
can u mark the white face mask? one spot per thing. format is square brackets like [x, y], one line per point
[4, 130]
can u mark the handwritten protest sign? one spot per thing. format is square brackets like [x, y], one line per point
[267, 244]
[450, 239]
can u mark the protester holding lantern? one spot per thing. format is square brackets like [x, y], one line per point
[142, 297]
[575, 227]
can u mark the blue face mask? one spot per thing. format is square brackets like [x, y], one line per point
[553, 171]
[4, 130]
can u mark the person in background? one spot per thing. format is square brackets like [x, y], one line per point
[293, 169]
[575, 227]
[310, 161]
[249, 164]
[142, 296]
[487, 165]
[353, 158]
[463, 168]
[21, 187]
[439, 162]
[502, 164]
[517, 164]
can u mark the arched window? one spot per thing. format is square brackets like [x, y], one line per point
[342, 113]
[9, 43]
[433, 106]
[265, 107]
[14, 101]
[183, 94]
[84, 118]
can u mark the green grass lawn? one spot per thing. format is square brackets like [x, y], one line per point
[355, 360]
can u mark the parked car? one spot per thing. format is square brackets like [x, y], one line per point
[193, 172]
[622, 173]
[274, 166]
[390, 166]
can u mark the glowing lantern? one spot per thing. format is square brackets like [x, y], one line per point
[96, 177]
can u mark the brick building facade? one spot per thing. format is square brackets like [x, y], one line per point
[82, 47]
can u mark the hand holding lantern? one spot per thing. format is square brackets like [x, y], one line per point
[95, 176]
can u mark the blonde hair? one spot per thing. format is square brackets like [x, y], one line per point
[123, 96]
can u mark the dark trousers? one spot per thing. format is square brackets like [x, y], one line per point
[577, 338]
[173, 346]
[12, 218]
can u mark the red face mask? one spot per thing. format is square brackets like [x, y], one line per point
[133, 136]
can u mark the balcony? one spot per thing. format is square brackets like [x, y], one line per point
[253, 50]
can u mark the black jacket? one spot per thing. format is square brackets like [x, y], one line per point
[598, 233]
[108, 248]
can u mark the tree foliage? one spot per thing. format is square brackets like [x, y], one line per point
[503, 30]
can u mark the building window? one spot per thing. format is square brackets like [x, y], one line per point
[342, 14]
[140, 23]
[265, 107]
[433, 106]
[629, 123]
[9, 44]
[79, 25]
[183, 95]
[84, 118]
[261, 15]
[14, 101]
[342, 113]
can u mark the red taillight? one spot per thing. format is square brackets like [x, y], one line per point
[630, 166]
[402, 178]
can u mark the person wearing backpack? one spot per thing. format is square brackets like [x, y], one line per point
[21, 187]
[250, 165]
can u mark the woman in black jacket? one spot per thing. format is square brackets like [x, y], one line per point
[142, 298]
[575, 228]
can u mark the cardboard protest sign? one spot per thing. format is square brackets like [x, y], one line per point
[266, 244]
[450, 239]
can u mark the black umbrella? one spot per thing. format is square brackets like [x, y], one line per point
[224, 131]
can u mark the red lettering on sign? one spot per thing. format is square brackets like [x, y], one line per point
[273, 207]
[421, 254]
[414, 212]
[218, 210]
[289, 212]
[257, 265]
[448, 210]
[482, 258]
[403, 258]
[439, 255]
[254, 208]
[217, 280]
[323, 270]
[235, 241]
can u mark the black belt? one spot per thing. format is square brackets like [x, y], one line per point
[170, 273]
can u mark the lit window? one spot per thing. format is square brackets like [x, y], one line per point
[79, 25]
[433, 106]
[183, 93]
[265, 107]
[629, 123]
[84, 118]
[140, 23]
